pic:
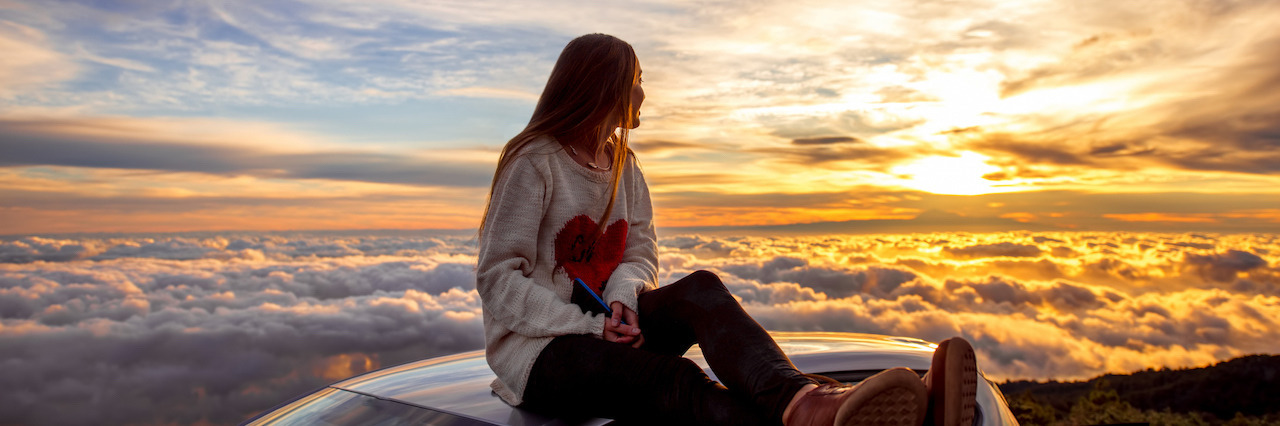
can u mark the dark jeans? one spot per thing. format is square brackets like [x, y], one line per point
[581, 375]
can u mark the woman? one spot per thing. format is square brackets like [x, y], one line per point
[569, 201]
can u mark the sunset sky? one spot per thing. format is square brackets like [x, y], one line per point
[895, 115]
[1079, 187]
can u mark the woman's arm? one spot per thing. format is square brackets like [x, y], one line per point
[638, 271]
[508, 252]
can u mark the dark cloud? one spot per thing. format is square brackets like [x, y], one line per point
[993, 250]
[664, 179]
[851, 122]
[897, 94]
[1192, 244]
[1247, 142]
[654, 147]
[702, 247]
[1226, 266]
[1222, 143]
[1036, 151]
[707, 199]
[829, 140]
[167, 204]
[755, 292]
[872, 280]
[171, 248]
[825, 154]
[37, 143]
[1117, 149]
[31, 249]
[1096, 56]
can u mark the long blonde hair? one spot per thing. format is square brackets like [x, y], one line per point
[587, 96]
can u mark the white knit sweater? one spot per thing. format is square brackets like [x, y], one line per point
[542, 208]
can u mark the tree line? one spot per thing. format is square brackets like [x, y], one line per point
[1239, 392]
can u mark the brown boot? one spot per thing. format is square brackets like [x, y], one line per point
[893, 397]
[953, 384]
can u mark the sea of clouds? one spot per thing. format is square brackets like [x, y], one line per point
[216, 327]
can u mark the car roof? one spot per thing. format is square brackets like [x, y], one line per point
[459, 384]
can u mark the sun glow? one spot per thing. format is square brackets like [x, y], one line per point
[960, 175]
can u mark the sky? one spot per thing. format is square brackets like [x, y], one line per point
[214, 328]
[836, 115]
[210, 207]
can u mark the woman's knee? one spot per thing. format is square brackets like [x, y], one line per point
[707, 283]
[706, 277]
[700, 290]
[694, 293]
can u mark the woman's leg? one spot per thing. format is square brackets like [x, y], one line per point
[585, 376]
[699, 309]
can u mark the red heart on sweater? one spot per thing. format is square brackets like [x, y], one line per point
[592, 260]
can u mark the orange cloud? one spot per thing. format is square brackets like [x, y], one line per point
[781, 215]
[1163, 217]
[1020, 216]
[1272, 215]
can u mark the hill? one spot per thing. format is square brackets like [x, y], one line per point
[1244, 390]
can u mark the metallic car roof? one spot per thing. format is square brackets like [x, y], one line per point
[459, 384]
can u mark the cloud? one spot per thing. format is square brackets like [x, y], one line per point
[490, 92]
[326, 206]
[1032, 153]
[226, 327]
[1164, 95]
[62, 143]
[833, 282]
[1229, 129]
[33, 249]
[115, 62]
[1121, 302]
[1096, 56]
[994, 250]
[840, 155]
[660, 147]
[825, 140]
[29, 63]
[698, 198]
[203, 57]
[217, 326]
[1226, 266]
[1162, 217]
[903, 94]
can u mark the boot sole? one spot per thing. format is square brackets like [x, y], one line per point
[955, 398]
[894, 397]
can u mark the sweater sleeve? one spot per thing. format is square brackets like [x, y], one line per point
[508, 254]
[638, 271]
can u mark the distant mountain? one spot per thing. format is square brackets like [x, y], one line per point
[1248, 386]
